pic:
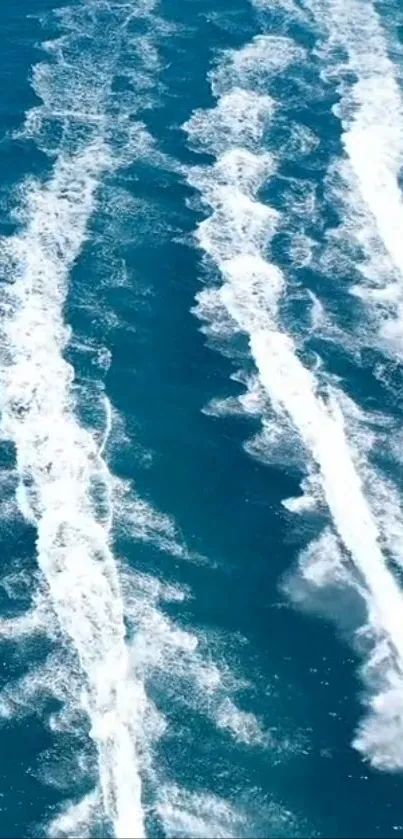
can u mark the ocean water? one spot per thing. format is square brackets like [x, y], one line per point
[201, 346]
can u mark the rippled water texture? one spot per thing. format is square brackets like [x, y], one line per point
[201, 604]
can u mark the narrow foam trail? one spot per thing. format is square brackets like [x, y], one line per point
[57, 463]
[371, 111]
[60, 465]
[289, 383]
[235, 238]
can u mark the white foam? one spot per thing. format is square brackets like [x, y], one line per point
[372, 436]
[323, 433]
[138, 519]
[235, 237]
[371, 113]
[75, 820]
[38, 619]
[57, 463]
[323, 569]
[198, 815]
[299, 504]
[251, 66]
[183, 661]
[119, 635]
[242, 724]
[251, 402]
[322, 562]
[60, 466]
[58, 676]
[242, 116]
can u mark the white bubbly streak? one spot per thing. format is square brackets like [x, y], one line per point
[373, 136]
[371, 113]
[110, 618]
[60, 465]
[235, 237]
[57, 463]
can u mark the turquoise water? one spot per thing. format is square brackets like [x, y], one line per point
[201, 526]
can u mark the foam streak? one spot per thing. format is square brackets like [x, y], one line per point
[371, 112]
[58, 461]
[235, 237]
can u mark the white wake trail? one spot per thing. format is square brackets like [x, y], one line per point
[371, 114]
[235, 237]
[58, 462]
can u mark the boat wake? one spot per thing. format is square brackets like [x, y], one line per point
[236, 238]
[364, 184]
[102, 630]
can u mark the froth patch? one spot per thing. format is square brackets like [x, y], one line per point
[65, 489]
[379, 735]
[81, 88]
[239, 227]
[241, 169]
[371, 113]
[57, 677]
[326, 584]
[59, 464]
[137, 518]
[182, 662]
[372, 438]
[238, 306]
[239, 119]
[184, 813]
[320, 565]
[252, 303]
[253, 65]
[39, 619]
[355, 247]
[311, 494]
[252, 401]
[77, 818]
[243, 725]
[211, 310]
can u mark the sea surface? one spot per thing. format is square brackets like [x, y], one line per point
[201, 442]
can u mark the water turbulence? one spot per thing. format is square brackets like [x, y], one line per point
[236, 237]
[116, 646]
[58, 460]
[356, 51]
[113, 646]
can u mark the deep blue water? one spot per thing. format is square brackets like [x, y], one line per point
[252, 700]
